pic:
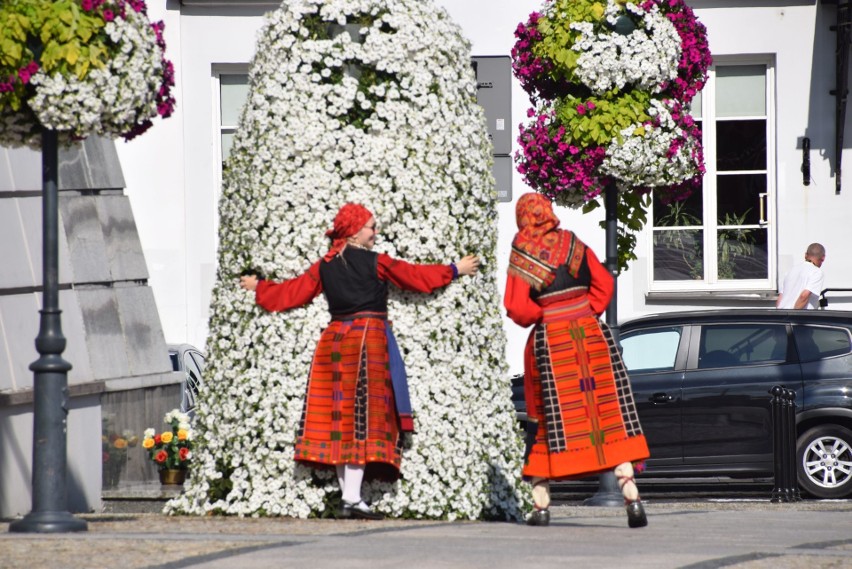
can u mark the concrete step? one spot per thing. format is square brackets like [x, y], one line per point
[138, 497]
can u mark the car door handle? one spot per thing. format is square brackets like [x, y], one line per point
[661, 398]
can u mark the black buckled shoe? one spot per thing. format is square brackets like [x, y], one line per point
[539, 518]
[636, 517]
[359, 511]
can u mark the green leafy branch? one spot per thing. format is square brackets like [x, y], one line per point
[631, 213]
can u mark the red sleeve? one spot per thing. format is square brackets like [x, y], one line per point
[600, 291]
[418, 278]
[520, 307]
[291, 293]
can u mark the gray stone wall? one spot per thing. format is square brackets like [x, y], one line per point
[114, 338]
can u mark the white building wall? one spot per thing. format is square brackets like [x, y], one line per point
[171, 171]
[157, 189]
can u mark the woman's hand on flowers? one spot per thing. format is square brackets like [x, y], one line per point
[248, 282]
[468, 265]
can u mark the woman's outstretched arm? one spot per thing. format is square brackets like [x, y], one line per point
[285, 295]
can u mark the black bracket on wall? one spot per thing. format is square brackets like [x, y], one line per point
[841, 89]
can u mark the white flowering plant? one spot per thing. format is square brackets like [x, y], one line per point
[80, 67]
[614, 79]
[371, 101]
[647, 58]
[662, 151]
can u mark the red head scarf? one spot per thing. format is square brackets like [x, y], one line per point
[349, 220]
[540, 247]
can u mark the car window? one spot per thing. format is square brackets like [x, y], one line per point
[728, 345]
[817, 342]
[193, 380]
[650, 350]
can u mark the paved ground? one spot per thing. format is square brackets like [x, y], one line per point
[697, 534]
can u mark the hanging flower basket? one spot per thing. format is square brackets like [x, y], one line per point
[611, 83]
[80, 67]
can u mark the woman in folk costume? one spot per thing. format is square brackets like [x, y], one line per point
[582, 419]
[357, 401]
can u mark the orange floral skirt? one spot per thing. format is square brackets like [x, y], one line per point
[349, 416]
[578, 392]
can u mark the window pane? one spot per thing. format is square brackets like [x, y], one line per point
[741, 91]
[695, 106]
[742, 254]
[227, 142]
[741, 145]
[650, 350]
[685, 213]
[678, 254]
[815, 343]
[738, 198]
[741, 344]
[233, 92]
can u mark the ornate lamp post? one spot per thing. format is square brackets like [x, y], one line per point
[50, 495]
[608, 493]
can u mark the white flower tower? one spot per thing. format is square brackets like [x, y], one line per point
[370, 101]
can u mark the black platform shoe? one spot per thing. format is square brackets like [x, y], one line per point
[359, 511]
[539, 518]
[636, 517]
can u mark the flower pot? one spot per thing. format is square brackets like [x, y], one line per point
[172, 477]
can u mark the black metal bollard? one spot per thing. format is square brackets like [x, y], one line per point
[783, 409]
[792, 471]
[777, 446]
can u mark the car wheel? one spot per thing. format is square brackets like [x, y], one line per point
[824, 458]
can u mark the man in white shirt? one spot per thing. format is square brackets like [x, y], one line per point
[802, 285]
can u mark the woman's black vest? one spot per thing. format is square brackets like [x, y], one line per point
[564, 280]
[351, 283]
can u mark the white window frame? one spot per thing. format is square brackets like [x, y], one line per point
[708, 125]
[217, 71]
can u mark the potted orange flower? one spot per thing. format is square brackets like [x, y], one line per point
[171, 449]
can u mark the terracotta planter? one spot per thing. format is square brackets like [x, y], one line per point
[169, 477]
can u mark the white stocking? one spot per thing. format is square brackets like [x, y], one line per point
[624, 475]
[541, 492]
[352, 478]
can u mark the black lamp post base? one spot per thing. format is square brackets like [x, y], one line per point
[48, 522]
[608, 493]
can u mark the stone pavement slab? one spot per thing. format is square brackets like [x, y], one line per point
[687, 535]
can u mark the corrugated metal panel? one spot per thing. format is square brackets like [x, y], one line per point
[85, 236]
[104, 334]
[31, 220]
[18, 270]
[76, 351]
[20, 323]
[124, 250]
[145, 334]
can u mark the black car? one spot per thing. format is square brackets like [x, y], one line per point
[701, 382]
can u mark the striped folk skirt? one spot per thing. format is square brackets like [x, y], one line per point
[349, 416]
[578, 390]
